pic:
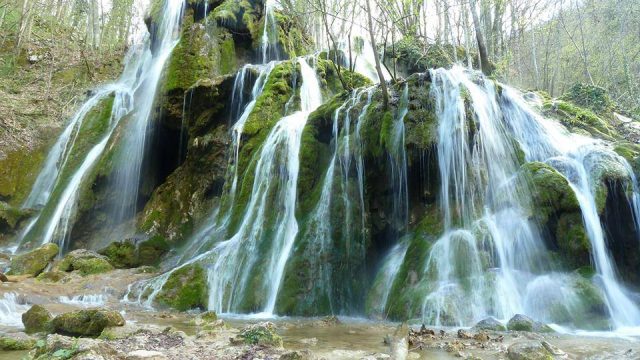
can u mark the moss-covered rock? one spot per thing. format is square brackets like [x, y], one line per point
[36, 319]
[410, 55]
[555, 207]
[11, 220]
[185, 289]
[18, 171]
[89, 322]
[259, 334]
[122, 255]
[15, 342]
[521, 322]
[35, 261]
[490, 324]
[528, 350]
[53, 276]
[86, 262]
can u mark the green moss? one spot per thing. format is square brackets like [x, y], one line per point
[90, 322]
[409, 286]
[151, 251]
[122, 255]
[239, 16]
[36, 319]
[9, 343]
[575, 117]
[85, 262]
[18, 171]
[260, 334]
[591, 97]
[33, 262]
[51, 276]
[185, 289]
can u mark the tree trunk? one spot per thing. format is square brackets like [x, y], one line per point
[482, 49]
[383, 84]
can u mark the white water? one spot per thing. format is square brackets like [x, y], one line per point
[59, 153]
[129, 164]
[11, 310]
[484, 211]
[235, 258]
[135, 91]
[269, 40]
[85, 300]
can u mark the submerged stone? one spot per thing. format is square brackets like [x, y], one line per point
[33, 262]
[37, 319]
[86, 322]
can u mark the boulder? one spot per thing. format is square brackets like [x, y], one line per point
[3, 277]
[64, 347]
[259, 334]
[36, 319]
[122, 255]
[35, 261]
[16, 341]
[521, 322]
[528, 350]
[185, 289]
[86, 262]
[52, 276]
[90, 322]
[490, 324]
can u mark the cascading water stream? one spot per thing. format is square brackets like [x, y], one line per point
[127, 172]
[235, 257]
[134, 92]
[580, 159]
[269, 40]
[484, 213]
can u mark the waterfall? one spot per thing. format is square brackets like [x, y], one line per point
[11, 310]
[492, 259]
[127, 172]
[236, 258]
[133, 93]
[580, 160]
[269, 41]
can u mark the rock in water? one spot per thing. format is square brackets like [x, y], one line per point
[37, 319]
[259, 334]
[528, 350]
[85, 261]
[33, 262]
[521, 322]
[86, 322]
[490, 324]
[399, 343]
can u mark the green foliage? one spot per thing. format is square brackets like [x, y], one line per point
[591, 97]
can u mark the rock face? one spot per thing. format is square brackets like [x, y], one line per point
[37, 319]
[33, 262]
[85, 261]
[521, 322]
[86, 322]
